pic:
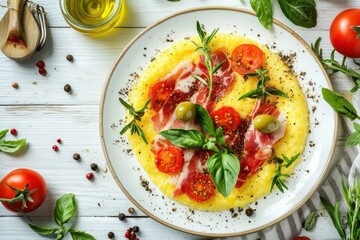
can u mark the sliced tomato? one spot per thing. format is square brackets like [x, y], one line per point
[169, 160]
[227, 118]
[159, 93]
[246, 58]
[199, 187]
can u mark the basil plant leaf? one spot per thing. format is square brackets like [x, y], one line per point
[9, 146]
[65, 209]
[45, 231]
[339, 103]
[204, 120]
[210, 144]
[3, 133]
[184, 138]
[264, 12]
[219, 135]
[354, 138]
[78, 235]
[300, 12]
[224, 170]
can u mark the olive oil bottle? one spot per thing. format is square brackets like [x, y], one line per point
[92, 16]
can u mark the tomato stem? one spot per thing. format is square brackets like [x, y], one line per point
[21, 195]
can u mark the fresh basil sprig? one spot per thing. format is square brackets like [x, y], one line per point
[335, 66]
[223, 166]
[262, 90]
[279, 176]
[10, 146]
[340, 104]
[205, 49]
[136, 114]
[64, 210]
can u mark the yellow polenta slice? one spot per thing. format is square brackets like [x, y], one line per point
[281, 77]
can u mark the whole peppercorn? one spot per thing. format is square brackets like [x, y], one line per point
[131, 210]
[55, 148]
[15, 85]
[69, 57]
[94, 167]
[42, 71]
[67, 88]
[249, 212]
[136, 229]
[111, 235]
[122, 216]
[76, 156]
[40, 64]
[59, 140]
[13, 131]
[90, 176]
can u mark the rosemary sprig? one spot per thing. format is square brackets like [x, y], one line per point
[262, 90]
[335, 66]
[279, 176]
[205, 49]
[136, 114]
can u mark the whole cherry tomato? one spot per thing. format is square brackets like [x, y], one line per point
[345, 33]
[23, 184]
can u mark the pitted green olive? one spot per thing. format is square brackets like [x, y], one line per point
[185, 111]
[266, 123]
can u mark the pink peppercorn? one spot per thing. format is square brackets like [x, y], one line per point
[13, 131]
[90, 176]
[55, 148]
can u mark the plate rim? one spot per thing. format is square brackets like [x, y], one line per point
[138, 205]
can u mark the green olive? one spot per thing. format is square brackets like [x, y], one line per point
[185, 111]
[266, 123]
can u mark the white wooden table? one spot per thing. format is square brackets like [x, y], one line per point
[42, 111]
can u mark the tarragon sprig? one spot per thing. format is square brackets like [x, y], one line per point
[205, 49]
[279, 176]
[335, 66]
[136, 114]
[262, 90]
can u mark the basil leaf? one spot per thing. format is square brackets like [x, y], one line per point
[42, 230]
[224, 170]
[339, 104]
[3, 133]
[354, 138]
[220, 136]
[264, 13]
[210, 144]
[77, 235]
[65, 209]
[310, 221]
[12, 146]
[60, 236]
[204, 120]
[300, 12]
[184, 138]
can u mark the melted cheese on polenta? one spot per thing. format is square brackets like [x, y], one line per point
[281, 77]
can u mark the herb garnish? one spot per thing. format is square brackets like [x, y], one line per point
[351, 196]
[278, 178]
[223, 166]
[354, 138]
[10, 146]
[310, 221]
[136, 114]
[340, 104]
[262, 90]
[335, 66]
[64, 210]
[205, 49]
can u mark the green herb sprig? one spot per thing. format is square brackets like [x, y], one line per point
[310, 221]
[278, 178]
[335, 66]
[262, 90]
[205, 49]
[136, 114]
[10, 146]
[64, 210]
[351, 196]
[223, 166]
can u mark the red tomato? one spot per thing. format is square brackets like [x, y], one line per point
[301, 238]
[18, 179]
[344, 38]
[246, 58]
[199, 187]
[227, 118]
[159, 93]
[169, 160]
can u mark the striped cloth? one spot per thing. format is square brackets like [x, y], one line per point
[331, 189]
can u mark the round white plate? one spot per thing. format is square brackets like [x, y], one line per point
[133, 179]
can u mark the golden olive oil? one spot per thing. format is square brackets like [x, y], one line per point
[94, 16]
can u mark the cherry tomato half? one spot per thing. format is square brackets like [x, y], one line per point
[169, 160]
[159, 93]
[199, 187]
[18, 179]
[246, 58]
[227, 118]
[343, 36]
[301, 238]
